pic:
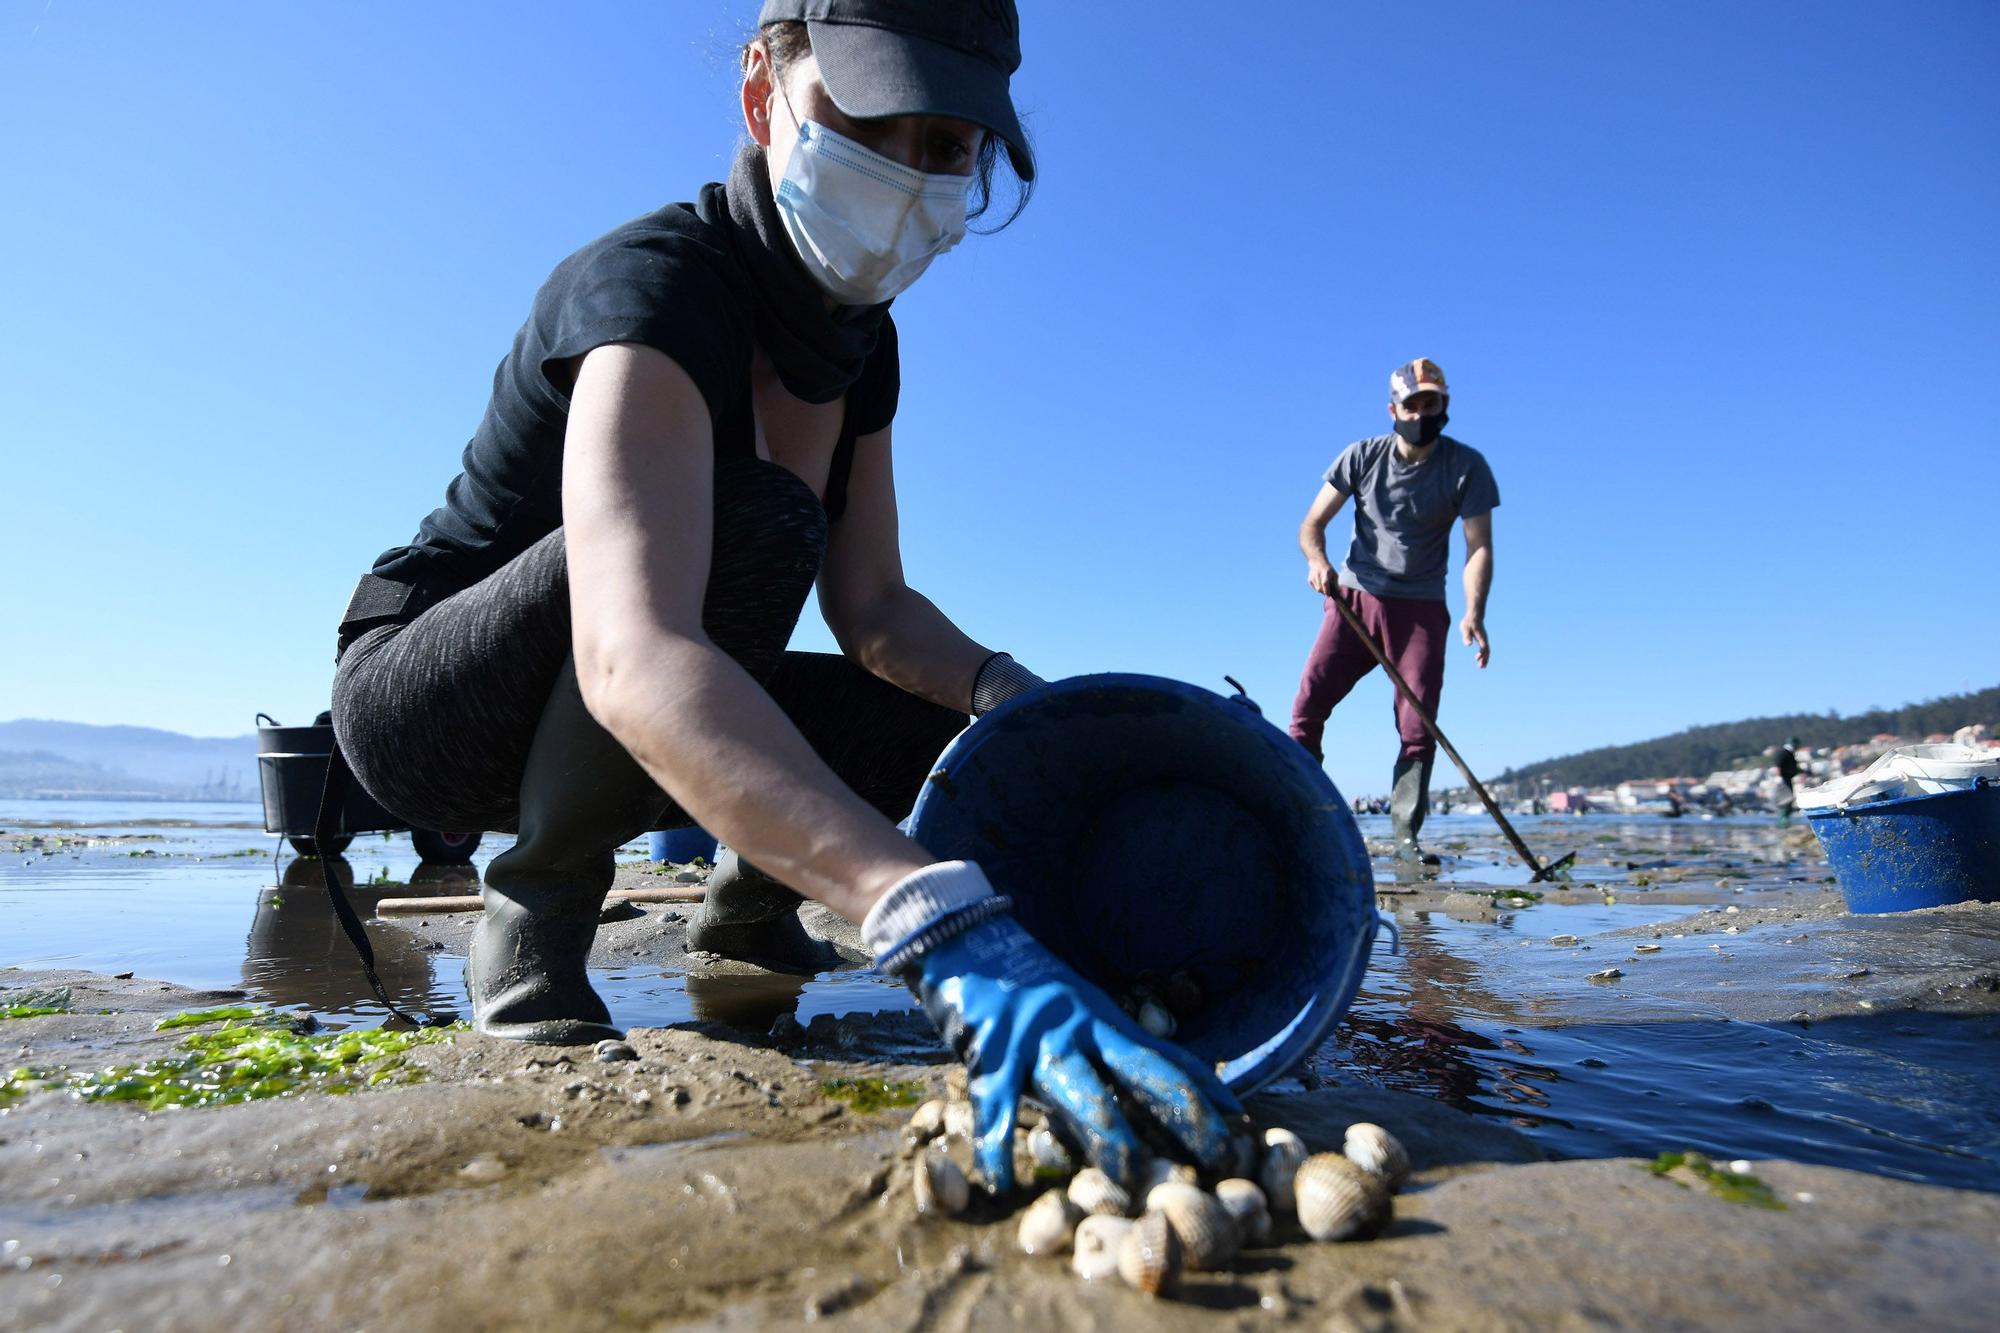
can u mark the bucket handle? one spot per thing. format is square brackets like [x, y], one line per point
[1383, 921]
[266, 720]
[1242, 696]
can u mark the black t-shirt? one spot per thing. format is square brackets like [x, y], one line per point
[669, 280]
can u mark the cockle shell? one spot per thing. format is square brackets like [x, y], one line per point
[1150, 1257]
[1160, 1170]
[1378, 1152]
[1337, 1200]
[927, 1123]
[1048, 1223]
[939, 1185]
[1208, 1233]
[1284, 1154]
[1048, 1152]
[1097, 1193]
[1157, 1019]
[959, 1121]
[1096, 1244]
[1245, 1202]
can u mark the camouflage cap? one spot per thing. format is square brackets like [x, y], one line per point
[1419, 376]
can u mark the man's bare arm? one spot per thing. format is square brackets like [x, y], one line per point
[1478, 582]
[1312, 537]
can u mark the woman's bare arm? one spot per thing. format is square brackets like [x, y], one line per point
[637, 514]
[879, 620]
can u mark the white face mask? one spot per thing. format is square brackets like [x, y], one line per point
[865, 225]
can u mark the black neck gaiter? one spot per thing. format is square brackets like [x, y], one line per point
[818, 352]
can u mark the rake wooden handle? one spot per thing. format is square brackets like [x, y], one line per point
[680, 893]
[1430, 724]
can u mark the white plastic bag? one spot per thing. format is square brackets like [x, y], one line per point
[1907, 770]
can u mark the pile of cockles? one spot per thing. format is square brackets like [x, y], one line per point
[1175, 1222]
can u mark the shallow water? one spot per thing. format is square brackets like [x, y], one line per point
[200, 895]
[1463, 1016]
[1477, 1010]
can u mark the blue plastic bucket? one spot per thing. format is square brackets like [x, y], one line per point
[1915, 851]
[1145, 825]
[681, 845]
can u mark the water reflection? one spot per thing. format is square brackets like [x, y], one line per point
[748, 1003]
[429, 880]
[1907, 1094]
[297, 954]
[1406, 1032]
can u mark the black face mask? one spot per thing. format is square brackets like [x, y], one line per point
[1422, 431]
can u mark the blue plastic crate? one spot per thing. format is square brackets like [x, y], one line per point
[681, 845]
[1915, 851]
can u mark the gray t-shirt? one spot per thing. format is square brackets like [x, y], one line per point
[1403, 512]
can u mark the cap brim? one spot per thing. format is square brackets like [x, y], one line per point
[871, 72]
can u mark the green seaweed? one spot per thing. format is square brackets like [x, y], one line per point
[1725, 1185]
[242, 1063]
[1500, 896]
[195, 1017]
[868, 1095]
[34, 1001]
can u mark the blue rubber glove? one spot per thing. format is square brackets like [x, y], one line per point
[1024, 1022]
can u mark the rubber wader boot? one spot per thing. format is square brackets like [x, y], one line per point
[582, 797]
[750, 917]
[1409, 802]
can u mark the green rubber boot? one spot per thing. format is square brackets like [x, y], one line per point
[1409, 802]
[752, 918]
[582, 797]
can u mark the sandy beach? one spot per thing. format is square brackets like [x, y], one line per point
[723, 1179]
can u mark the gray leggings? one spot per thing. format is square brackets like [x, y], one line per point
[436, 716]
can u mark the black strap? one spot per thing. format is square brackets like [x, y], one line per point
[380, 601]
[377, 599]
[326, 829]
[838, 473]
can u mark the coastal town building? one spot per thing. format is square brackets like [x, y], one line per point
[1754, 787]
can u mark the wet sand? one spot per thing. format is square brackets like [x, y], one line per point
[712, 1183]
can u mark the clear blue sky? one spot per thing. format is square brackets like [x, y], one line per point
[1715, 285]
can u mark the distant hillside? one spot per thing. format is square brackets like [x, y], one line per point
[1700, 751]
[39, 758]
[37, 774]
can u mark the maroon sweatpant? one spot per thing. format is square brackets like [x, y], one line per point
[1413, 632]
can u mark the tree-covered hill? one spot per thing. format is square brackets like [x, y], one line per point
[1699, 751]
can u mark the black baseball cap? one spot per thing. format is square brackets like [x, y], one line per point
[917, 58]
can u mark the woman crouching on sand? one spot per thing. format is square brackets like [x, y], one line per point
[587, 640]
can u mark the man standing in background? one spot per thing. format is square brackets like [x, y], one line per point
[1788, 773]
[1408, 487]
